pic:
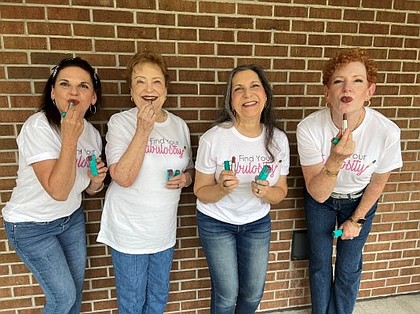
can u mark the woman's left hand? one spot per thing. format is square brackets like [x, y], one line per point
[259, 188]
[180, 181]
[350, 231]
[100, 177]
[97, 182]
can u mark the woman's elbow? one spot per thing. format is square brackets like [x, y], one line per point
[320, 199]
[281, 196]
[124, 183]
[59, 197]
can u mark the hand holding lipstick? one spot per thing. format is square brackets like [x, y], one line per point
[72, 122]
[227, 179]
[98, 173]
[146, 118]
[345, 146]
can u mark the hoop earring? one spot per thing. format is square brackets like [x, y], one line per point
[328, 104]
[368, 103]
[131, 98]
[92, 111]
[53, 101]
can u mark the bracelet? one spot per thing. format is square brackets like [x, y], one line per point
[357, 225]
[96, 191]
[329, 173]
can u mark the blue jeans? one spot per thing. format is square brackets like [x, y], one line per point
[336, 294]
[55, 252]
[237, 256]
[142, 281]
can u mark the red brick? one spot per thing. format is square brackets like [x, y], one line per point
[42, 28]
[216, 7]
[255, 9]
[90, 30]
[18, 43]
[235, 22]
[111, 16]
[136, 4]
[68, 14]
[291, 11]
[12, 28]
[181, 6]
[71, 44]
[22, 12]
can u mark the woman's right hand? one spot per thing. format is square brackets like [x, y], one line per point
[344, 148]
[146, 118]
[228, 181]
[72, 124]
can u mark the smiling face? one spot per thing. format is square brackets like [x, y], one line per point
[248, 95]
[148, 85]
[349, 88]
[73, 84]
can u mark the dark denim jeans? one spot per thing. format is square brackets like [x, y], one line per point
[55, 252]
[142, 281]
[334, 294]
[237, 256]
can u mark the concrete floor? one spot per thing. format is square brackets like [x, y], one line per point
[402, 304]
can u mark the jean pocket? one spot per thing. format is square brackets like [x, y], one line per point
[30, 231]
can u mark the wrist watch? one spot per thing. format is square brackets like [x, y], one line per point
[359, 221]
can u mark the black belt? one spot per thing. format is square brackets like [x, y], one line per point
[348, 196]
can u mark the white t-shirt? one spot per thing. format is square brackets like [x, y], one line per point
[38, 141]
[219, 144]
[141, 219]
[377, 149]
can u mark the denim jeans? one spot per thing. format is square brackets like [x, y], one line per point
[55, 252]
[142, 281]
[237, 256]
[334, 294]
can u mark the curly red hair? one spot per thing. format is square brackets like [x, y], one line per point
[345, 57]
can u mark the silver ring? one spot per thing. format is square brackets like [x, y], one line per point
[258, 191]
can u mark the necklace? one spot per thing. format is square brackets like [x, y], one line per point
[359, 121]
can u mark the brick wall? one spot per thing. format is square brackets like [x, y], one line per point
[202, 41]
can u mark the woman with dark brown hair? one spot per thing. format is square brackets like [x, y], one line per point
[44, 219]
